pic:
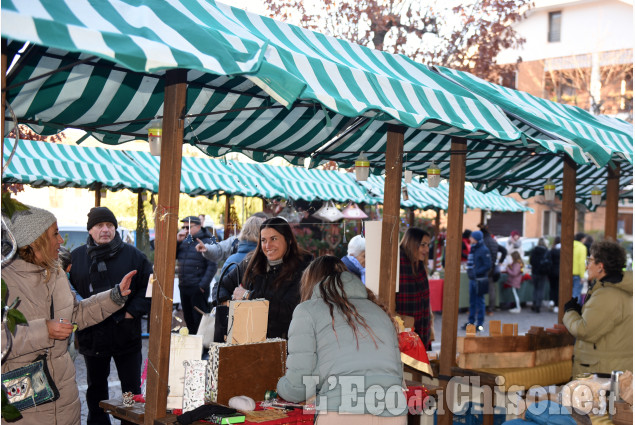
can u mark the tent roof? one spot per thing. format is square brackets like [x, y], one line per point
[257, 86]
[53, 164]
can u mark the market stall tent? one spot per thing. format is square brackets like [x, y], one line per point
[226, 80]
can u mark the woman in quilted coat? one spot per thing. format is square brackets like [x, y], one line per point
[343, 348]
[603, 326]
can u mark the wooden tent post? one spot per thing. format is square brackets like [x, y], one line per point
[98, 195]
[566, 234]
[4, 94]
[228, 225]
[167, 225]
[437, 230]
[612, 198]
[452, 280]
[390, 222]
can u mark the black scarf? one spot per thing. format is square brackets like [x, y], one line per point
[98, 254]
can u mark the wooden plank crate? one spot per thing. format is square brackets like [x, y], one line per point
[537, 347]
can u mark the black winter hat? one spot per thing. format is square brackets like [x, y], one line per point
[98, 215]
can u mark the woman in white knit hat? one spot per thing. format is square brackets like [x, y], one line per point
[52, 312]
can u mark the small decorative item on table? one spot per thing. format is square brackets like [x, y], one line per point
[128, 399]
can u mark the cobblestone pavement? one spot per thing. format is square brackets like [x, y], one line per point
[525, 319]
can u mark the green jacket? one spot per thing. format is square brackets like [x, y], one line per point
[604, 331]
[338, 362]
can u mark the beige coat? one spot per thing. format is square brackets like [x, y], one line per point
[25, 280]
[604, 331]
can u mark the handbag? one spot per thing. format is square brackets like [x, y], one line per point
[222, 311]
[30, 385]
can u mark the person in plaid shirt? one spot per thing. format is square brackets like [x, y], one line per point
[413, 298]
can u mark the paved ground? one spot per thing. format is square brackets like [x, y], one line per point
[525, 320]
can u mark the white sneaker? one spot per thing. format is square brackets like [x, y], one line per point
[515, 310]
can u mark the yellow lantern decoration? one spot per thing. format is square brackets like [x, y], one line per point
[434, 175]
[596, 196]
[362, 168]
[155, 135]
[550, 190]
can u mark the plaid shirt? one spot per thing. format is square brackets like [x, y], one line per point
[413, 298]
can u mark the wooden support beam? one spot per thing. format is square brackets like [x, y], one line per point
[437, 230]
[167, 226]
[4, 94]
[612, 198]
[98, 195]
[566, 234]
[390, 221]
[228, 224]
[452, 279]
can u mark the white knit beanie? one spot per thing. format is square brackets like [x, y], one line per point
[27, 225]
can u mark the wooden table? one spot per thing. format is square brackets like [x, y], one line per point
[127, 415]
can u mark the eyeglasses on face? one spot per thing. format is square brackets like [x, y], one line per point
[590, 261]
[425, 243]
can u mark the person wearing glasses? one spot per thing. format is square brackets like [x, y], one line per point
[413, 298]
[603, 326]
[195, 271]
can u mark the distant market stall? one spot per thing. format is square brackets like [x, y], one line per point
[41, 164]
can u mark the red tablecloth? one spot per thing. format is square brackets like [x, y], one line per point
[436, 294]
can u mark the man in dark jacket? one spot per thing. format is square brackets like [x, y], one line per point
[195, 271]
[478, 267]
[540, 260]
[494, 272]
[99, 266]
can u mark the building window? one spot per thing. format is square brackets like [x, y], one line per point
[555, 22]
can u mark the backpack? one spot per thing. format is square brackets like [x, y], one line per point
[545, 263]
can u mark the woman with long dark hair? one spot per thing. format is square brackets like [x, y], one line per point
[341, 336]
[273, 273]
[413, 298]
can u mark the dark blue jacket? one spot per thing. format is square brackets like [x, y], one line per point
[479, 261]
[194, 269]
[244, 248]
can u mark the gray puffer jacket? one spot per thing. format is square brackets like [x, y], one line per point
[25, 280]
[339, 362]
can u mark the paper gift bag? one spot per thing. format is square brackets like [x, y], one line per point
[246, 369]
[195, 381]
[247, 321]
[182, 347]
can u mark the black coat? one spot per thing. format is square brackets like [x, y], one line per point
[282, 300]
[115, 335]
[194, 269]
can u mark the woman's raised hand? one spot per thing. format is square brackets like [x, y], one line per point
[124, 285]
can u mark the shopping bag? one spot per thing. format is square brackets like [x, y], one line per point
[182, 347]
[207, 326]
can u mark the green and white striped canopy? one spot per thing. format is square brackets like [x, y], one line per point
[50, 164]
[255, 85]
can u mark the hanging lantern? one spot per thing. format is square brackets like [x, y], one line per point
[103, 193]
[408, 176]
[404, 193]
[328, 212]
[155, 135]
[434, 175]
[596, 196]
[550, 190]
[362, 168]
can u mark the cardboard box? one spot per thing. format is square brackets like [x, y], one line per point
[247, 321]
[246, 369]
